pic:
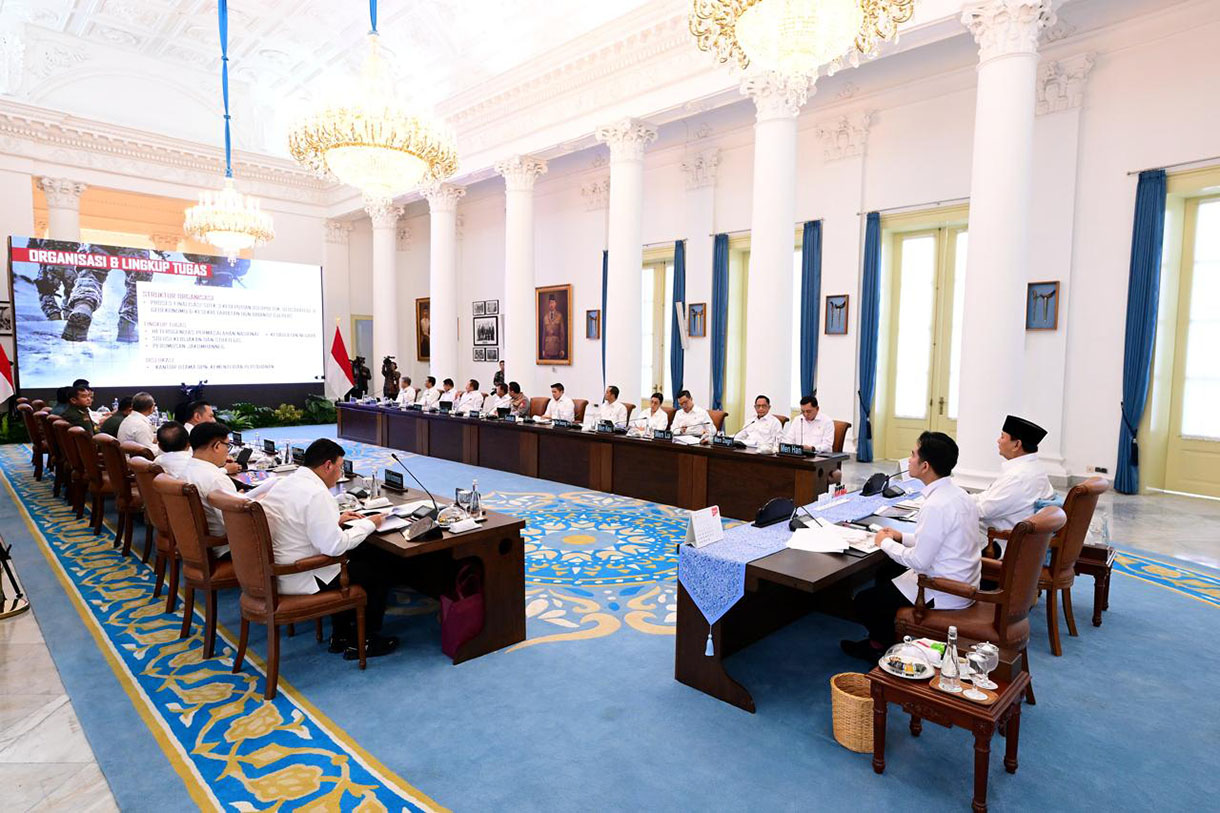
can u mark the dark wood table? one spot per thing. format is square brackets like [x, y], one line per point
[780, 588]
[1097, 561]
[922, 702]
[740, 481]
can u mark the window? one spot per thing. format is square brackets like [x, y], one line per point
[916, 309]
[796, 329]
[1201, 382]
[656, 327]
[959, 310]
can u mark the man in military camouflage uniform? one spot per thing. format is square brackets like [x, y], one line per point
[86, 298]
[51, 278]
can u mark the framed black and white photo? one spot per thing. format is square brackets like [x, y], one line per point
[493, 307]
[493, 353]
[487, 331]
[6, 318]
[480, 354]
[480, 308]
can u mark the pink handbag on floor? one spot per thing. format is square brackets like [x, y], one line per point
[462, 612]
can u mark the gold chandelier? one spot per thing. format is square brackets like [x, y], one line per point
[369, 141]
[228, 219]
[796, 37]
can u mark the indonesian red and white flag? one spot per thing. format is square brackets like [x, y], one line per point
[6, 376]
[339, 378]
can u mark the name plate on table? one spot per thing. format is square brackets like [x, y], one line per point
[704, 527]
[298, 455]
[269, 447]
[393, 480]
[510, 419]
[662, 434]
[236, 439]
[349, 468]
[605, 427]
[415, 407]
[723, 441]
[560, 423]
[791, 449]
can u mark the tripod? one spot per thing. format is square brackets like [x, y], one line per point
[17, 603]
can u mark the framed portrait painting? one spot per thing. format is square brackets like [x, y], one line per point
[1042, 306]
[696, 320]
[593, 324]
[836, 315]
[553, 321]
[423, 329]
[486, 331]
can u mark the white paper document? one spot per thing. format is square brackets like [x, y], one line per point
[686, 440]
[392, 523]
[410, 507]
[704, 527]
[817, 540]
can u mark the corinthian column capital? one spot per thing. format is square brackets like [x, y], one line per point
[443, 197]
[520, 172]
[1005, 27]
[62, 193]
[776, 95]
[627, 139]
[383, 213]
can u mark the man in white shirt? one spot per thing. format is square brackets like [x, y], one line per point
[195, 413]
[137, 427]
[447, 393]
[610, 409]
[944, 544]
[811, 429]
[175, 445]
[763, 430]
[406, 393]
[304, 521]
[1021, 483]
[690, 419]
[499, 398]
[560, 407]
[208, 472]
[470, 401]
[429, 396]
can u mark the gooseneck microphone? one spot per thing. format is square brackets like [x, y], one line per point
[435, 512]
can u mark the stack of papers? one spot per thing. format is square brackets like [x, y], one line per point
[688, 440]
[826, 539]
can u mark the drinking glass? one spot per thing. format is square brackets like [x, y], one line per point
[977, 661]
[990, 659]
[461, 496]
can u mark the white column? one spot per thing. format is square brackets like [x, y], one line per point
[63, 207]
[336, 274]
[627, 140]
[517, 313]
[384, 215]
[997, 262]
[442, 277]
[770, 338]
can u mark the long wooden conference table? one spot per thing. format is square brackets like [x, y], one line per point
[692, 477]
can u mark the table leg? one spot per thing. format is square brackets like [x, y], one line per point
[916, 726]
[1014, 734]
[982, 755]
[503, 595]
[697, 669]
[879, 709]
[1099, 599]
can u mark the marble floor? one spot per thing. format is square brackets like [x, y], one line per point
[47, 764]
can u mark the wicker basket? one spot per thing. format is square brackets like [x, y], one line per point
[851, 705]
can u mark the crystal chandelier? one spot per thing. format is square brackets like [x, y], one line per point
[228, 219]
[796, 37]
[368, 140]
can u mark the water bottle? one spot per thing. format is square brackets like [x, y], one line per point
[949, 675]
[476, 500]
[114, 407]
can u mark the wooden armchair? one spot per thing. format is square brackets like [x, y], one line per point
[717, 416]
[128, 499]
[74, 476]
[145, 473]
[580, 404]
[1066, 545]
[95, 477]
[38, 444]
[841, 428]
[630, 409]
[261, 602]
[538, 406]
[783, 419]
[55, 457]
[38, 404]
[201, 570]
[1000, 616]
[670, 412]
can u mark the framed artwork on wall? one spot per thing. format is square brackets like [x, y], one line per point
[486, 330]
[492, 307]
[1042, 306]
[696, 320]
[836, 315]
[423, 329]
[361, 335]
[593, 324]
[480, 354]
[553, 320]
[480, 308]
[493, 353]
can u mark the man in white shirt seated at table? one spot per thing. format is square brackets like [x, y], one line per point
[197, 412]
[406, 393]
[304, 521]
[610, 409]
[1022, 481]
[137, 427]
[651, 417]
[811, 429]
[499, 398]
[429, 396]
[447, 393]
[560, 407]
[944, 544]
[470, 401]
[763, 430]
[175, 444]
[691, 420]
[208, 471]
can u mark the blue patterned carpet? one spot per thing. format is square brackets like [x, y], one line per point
[584, 713]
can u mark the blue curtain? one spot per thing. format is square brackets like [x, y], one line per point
[677, 358]
[869, 314]
[605, 279]
[720, 316]
[811, 295]
[1143, 289]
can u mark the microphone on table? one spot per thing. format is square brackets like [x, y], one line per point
[435, 508]
[880, 484]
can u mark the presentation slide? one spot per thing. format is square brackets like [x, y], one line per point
[135, 317]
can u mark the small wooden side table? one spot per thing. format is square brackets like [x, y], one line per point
[922, 702]
[1097, 561]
